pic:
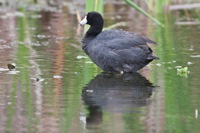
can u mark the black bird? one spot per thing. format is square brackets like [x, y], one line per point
[115, 50]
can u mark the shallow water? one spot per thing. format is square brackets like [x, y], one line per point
[55, 88]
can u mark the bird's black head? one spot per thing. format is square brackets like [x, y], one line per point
[93, 19]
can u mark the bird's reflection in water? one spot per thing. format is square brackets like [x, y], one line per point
[117, 93]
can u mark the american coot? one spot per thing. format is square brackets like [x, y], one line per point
[115, 50]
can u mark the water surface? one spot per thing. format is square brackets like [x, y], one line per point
[55, 88]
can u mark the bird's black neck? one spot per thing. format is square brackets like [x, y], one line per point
[96, 27]
[94, 31]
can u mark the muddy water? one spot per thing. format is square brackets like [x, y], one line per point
[55, 88]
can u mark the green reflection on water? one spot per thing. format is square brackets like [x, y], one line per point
[181, 95]
[180, 104]
[21, 85]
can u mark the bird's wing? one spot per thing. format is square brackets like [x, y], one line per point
[116, 38]
[126, 43]
[132, 55]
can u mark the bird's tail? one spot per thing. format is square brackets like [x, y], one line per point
[153, 57]
[150, 41]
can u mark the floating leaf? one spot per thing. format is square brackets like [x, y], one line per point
[182, 71]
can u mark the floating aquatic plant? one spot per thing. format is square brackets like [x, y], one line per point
[182, 71]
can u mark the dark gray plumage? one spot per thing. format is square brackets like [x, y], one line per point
[115, 50]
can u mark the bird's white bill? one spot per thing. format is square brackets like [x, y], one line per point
[84, 21]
